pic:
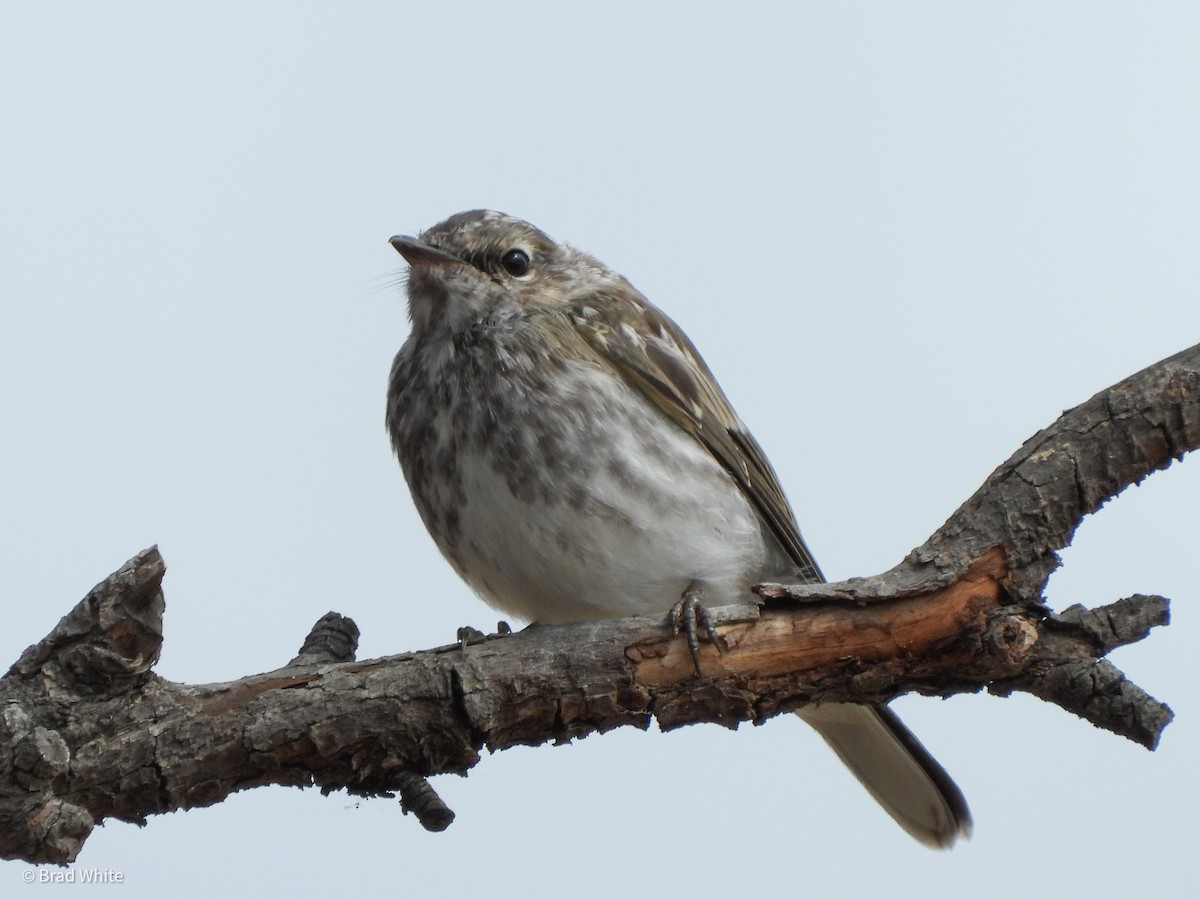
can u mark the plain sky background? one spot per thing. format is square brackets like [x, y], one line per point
[905, 237]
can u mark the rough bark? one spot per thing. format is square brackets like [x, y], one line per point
[88, 731]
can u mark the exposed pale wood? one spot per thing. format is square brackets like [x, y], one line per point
[815, 639]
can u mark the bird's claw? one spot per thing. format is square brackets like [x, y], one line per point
[689, 615]
[467, 635]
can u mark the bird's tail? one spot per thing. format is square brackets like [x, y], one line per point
[900, 774]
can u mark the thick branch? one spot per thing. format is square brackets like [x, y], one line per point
[1031, 505]
[88, 732]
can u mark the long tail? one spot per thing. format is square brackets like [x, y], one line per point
[900, 774]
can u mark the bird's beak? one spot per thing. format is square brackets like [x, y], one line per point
[418, 253]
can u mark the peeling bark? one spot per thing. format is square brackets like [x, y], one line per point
[88, 731]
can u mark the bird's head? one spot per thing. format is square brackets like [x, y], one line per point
[483, 264]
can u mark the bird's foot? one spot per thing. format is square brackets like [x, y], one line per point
[466, 635]
[689, 615]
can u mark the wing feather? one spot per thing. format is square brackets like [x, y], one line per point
[658, 359]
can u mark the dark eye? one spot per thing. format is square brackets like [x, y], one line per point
[515, 263]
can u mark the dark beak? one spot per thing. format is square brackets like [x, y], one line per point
[418, 253]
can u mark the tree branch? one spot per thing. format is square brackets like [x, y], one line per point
[89, 732]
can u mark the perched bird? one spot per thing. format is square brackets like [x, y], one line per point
[573, 458]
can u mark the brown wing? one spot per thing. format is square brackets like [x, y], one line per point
[658, 359]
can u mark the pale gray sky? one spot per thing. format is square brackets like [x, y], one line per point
[904, 236]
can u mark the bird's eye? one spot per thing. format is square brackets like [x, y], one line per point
[515, 263]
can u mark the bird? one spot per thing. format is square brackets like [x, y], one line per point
[574, 458]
